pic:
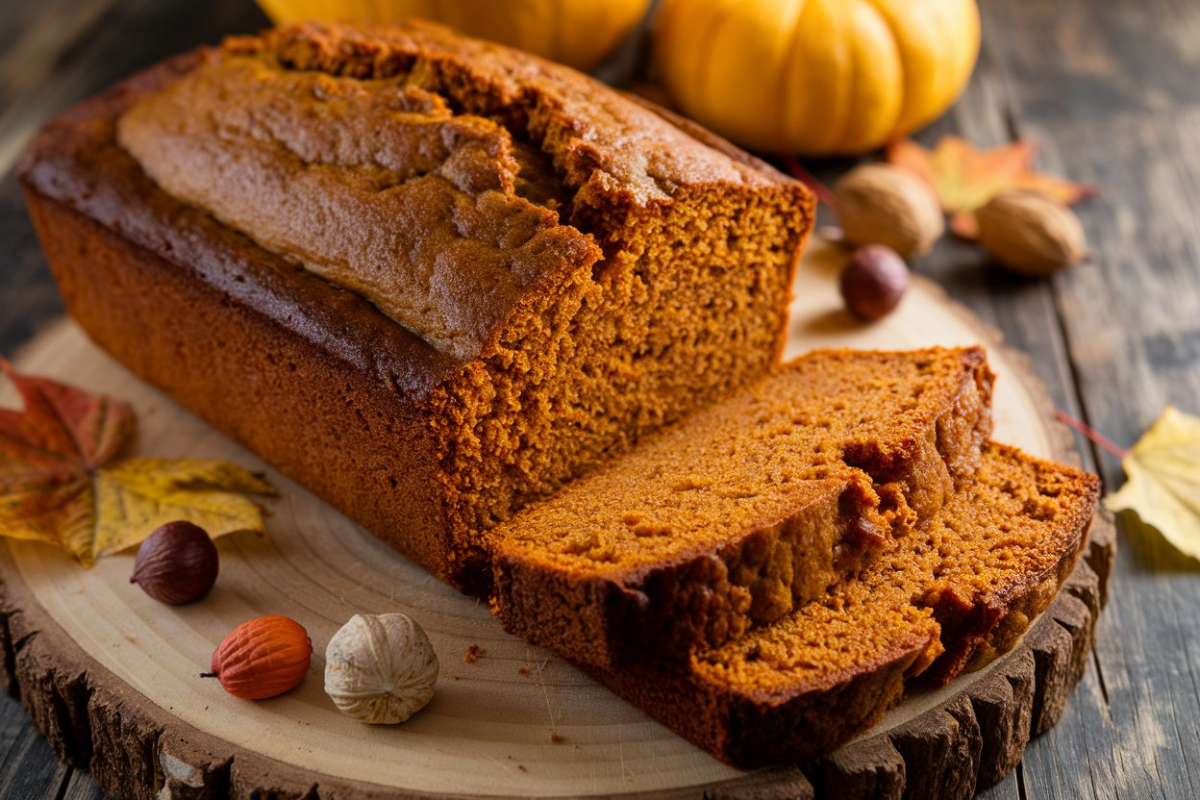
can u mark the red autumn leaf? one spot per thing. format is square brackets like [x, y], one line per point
[59, 482]
[966, 178]
[47, 450]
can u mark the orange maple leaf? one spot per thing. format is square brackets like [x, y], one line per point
[60, 484]
[966, 178]
[47, 451]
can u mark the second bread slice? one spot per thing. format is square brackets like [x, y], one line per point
[944, 599]
[745, 510]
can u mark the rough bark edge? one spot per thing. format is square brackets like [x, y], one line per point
[976, 738]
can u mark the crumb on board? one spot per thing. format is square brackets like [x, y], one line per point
[524, 671]
[473, 653]
[522, 768]
[555, 738]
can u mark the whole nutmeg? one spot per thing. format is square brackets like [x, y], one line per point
[1031, 233]
[882, 204]
[874, 281]
[176, 564]
[380, 669]
[262, 658]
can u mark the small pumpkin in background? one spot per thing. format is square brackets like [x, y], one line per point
[579, 33]
[815, 77]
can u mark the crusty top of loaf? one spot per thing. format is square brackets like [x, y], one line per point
[433, 174]
[76, 161]
[595, 134]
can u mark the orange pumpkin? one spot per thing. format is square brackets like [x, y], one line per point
[817, 77]
[575, 32]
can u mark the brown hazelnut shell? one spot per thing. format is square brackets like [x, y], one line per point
[874, 281]
[176, 564]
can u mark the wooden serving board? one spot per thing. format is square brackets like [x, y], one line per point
[112, 677]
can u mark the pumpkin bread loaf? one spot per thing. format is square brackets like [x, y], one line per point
[943, 598]
[746, 508]
[430, 278]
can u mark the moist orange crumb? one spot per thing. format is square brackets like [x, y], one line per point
[746, 509]
[943, 598]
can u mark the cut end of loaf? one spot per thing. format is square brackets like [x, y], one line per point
[746, 509]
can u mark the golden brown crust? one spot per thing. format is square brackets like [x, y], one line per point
[434, 195]
[597, 137]
[419, 209]
[746, 509]
[948, 597]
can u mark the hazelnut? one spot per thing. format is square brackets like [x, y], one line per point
[874, 281]
[1031, 233]
[882, 204]
[380, 668]
[176, 564]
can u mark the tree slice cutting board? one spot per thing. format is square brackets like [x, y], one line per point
[113, 678]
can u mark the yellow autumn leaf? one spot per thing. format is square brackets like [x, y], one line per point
[1163, 485]
[137, 495]
[60, 481]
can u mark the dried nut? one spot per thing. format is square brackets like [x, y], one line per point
[262, 658]
[874, 281]
[1031, 233]
[176, 564]
[882, 204]
[380, 668]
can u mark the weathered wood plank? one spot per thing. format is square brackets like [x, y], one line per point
[81, 786]
[1008, 789]
[27, 294]
[28, 767]
[1110, 89]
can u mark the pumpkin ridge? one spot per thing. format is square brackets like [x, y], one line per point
[706, 42]
[902, 60]
[787, 76]
[843, 112]
[853, 75]
[877, 82]
[556, 23]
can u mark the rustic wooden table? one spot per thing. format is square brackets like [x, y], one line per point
[1110, 90]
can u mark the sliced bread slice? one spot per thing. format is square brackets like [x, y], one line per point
[746, 509]
[947, 597]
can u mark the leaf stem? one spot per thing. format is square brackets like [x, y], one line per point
[797, 170]
[1094, 436]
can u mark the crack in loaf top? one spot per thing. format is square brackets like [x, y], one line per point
[434, 175]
